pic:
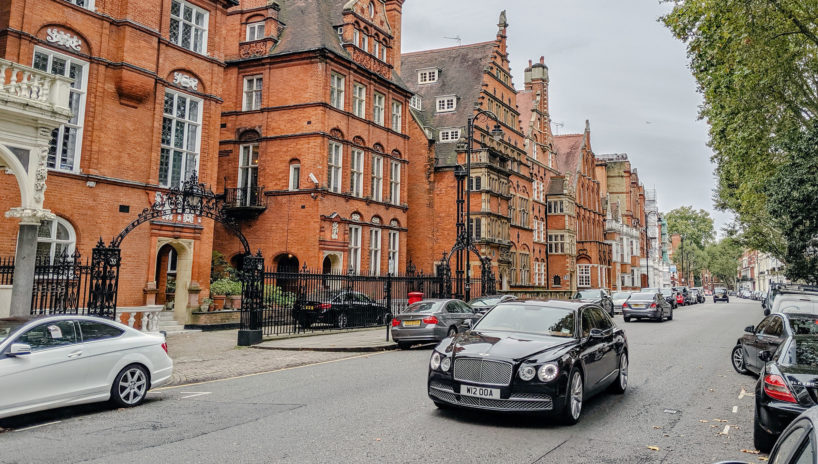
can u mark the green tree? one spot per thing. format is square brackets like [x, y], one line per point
[722, 259]
[755, 62]
[696, 228]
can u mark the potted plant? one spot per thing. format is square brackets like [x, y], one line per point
[205, 306]
[235, 294]
[218, 292]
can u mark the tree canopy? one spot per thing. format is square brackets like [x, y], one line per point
[722, 258]
[696, 229]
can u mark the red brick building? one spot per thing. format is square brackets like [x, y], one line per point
[315, 129]
[146, 98]
[450, 86]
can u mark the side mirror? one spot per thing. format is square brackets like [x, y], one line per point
[469, 323]
[597, 333]
[19, 349]
[765, 356]
[766, 312]
[750, 329]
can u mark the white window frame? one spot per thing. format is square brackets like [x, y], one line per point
[359, 100]
[446, 104]
[375, 251]
[394, 248]
[583, 275]
[397, 115]
[448, 135]
[295, 176]
[89, 4]
[376, 49]
[356, 173]
[355, 249]
[394, 182]
[377, 178]
[335, 164]
[77, 100]
[378, 108]
[186, 151]
[253, 86]
[69, 244]
[428, 76]
[246, 169]
[356, 34]
[254, 31]
[416, 102]
[556, 244]
[364, 43]
[336, 90]
[181, 21]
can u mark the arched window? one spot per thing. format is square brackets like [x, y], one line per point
[55, 237]
[557, 281]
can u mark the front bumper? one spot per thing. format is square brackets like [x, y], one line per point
[651, 313]
[442, 388]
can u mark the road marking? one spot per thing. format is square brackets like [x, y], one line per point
[726, 430]
[194, 394]
[269, 372]
[37, 426]
[735, 409]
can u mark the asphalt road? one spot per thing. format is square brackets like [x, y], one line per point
[683, 399]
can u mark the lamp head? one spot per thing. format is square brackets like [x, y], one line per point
[497, 133]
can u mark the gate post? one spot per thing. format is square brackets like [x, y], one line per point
[252, 300]
[105, 263]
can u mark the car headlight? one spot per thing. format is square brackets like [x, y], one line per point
[445, 364]
[435, 362]
[527, 372]
[548, 372]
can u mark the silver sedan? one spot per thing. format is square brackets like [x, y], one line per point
[431, 321]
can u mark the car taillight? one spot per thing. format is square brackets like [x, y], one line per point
[430, 320]
[165, 347]
[653, 305]
[624, 305]
[775, 387]
[324, 306]
[395, 322]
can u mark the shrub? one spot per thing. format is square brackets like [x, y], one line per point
[225, 287]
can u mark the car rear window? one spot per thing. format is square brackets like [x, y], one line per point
[620, 295]
[804, 325]
[642, 296]
[485, 301]
[98, 331]
[803, 352]
[423, 307]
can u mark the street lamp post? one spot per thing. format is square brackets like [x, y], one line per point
[648, 242]
[497, 134]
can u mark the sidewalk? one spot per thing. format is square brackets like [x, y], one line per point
[203, 356]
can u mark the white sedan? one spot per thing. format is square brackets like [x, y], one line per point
[56, 361]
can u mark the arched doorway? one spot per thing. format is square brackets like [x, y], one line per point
[286, 262]
[174, 267]
[326, 268]
[165, 275]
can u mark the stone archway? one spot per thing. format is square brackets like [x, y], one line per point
[184, 270]
[286, 262]
[332, 263]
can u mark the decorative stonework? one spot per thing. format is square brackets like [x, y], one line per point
[41, 172]
[186, 81]
[334, 230]
[63, 39]
[355, 217]
[376, 220]
[370, 62]
[255, 48]
[30, 216]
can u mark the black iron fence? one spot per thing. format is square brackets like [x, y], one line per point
[308, 301]
[6, 270]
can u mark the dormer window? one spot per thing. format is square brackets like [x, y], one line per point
[416, 102]
[356, 36]
[445, 104]
[427, 76]
[255, 31]
[340, 31]
[371, 10]
[449, 135]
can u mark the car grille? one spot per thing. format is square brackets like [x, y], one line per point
[517, 402]
[482, 371]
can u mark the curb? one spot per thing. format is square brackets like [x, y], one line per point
[340, 349]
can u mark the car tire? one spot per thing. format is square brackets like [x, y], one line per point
[304, 322]
[130, 386]
[738, 361]
[762, 440]
[404, 345]
[575, 394]
[670, 318]
[626, 318]
[621, 383]
[341, 321]
[452, 332]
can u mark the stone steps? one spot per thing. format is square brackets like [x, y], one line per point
[169, 325]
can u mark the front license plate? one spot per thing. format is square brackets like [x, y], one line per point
[480, 392]
[411, 323]
[309, 308]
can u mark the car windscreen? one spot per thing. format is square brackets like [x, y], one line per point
[422, 307]
[588, 295]
[804, 325]
[540, 320]
[621, 295]
[7, 328]
[802, 352]
[642, 296]
[485, 301]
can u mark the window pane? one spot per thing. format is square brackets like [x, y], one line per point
[44, 231]
[193, 113]
[40, 61]
[58, 66]
[164, 160]
[62, 232]
[50, 335]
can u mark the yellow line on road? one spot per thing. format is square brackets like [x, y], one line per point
[268, 372]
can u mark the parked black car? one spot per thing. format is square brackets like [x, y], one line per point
[484, 303]
[598, 296]
[766, 336]
[670, 297]
[531, 356]
[699, 294]
[786, 387]
[720, 294]
[647, 305]
[342, 308]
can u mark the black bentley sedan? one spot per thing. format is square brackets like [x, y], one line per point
[341, 308]
[531, 356]
[787, 386]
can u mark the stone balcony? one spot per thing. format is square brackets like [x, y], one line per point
[33, 93]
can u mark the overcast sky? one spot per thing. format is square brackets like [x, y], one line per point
[610, 62]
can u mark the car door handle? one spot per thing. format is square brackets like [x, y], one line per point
[75, 354]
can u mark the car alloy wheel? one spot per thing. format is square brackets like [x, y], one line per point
[575, 402]
[130, 386]
[621, 383]
[738, 360]
[341, 321]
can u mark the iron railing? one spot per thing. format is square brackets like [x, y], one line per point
[6, 270]
[245, 197]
